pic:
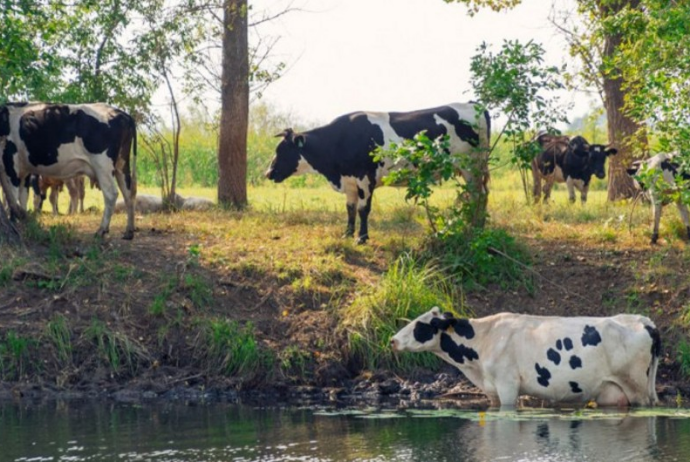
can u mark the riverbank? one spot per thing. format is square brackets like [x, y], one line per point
[229, 305]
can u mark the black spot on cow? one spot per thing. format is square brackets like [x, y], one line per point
[458, 353]
[568, 343]
[559, 344]
[464, 329]
[575, 362]
[575, 387]
[7, 156]
[4, 121]
[553, 356]
[656, 340]
[543, 375]
[591, 336]
[424, 332]
[408, 124]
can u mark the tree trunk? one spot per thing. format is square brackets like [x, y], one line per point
[232, 145]
[625, 134]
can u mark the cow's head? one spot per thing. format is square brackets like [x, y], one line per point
[597, 158]
[286, 162]
[423, 333]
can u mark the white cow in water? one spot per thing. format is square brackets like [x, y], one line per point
[611, 360]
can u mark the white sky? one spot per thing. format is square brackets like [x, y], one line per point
[393, 55]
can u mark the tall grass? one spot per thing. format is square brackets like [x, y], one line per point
[408, 289]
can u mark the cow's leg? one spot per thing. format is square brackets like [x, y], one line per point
[109, 189]
[583, 188]
[72, 189]
[351, 197]
[548, 184]
[536, 182]
[129, 198]
[508, 395]
[54, 192]
[656, 211]
[683, 210]
[365, 192]
[571, 189]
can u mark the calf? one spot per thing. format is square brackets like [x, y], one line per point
[75, 188]
[67, 140]
[612, 361]
[341, 151]
[661, 164]
[572, 161]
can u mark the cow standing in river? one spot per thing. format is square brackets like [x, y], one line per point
[341, 151]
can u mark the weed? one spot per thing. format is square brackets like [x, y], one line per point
[233, 349]
[405, 291]
[294, 361]
[115, 349]
[60, 337]
[683, 357]
[15, 356]
[197, 289]
[487, 256]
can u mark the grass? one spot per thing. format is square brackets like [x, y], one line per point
[232, 348]
[405, 291]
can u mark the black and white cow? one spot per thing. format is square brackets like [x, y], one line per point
[341, 151]
[612, 361]
[67, 140]
[661, 164]
[572, 161]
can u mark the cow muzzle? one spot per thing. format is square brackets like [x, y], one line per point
[395, 345]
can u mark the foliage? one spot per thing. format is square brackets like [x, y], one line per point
[233, 349]
[653, 57]
[514, 82]
[114, 348]
[15, 355]
[59, 335]
[409, 288]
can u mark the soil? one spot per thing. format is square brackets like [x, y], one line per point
[568, 279]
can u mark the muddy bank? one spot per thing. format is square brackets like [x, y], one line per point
[439, 390]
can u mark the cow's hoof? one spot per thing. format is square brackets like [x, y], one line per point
[362, 239]
[128, 235]
[100, 234]
[655, 237]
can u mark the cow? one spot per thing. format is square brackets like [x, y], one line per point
[67, 140]
[341, 151]
[197, 203]
[609, 360]
[664, 165]
[572, 161]
[148, 203]
[75, 188]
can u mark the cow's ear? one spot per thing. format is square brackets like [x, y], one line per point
[299, 140]
[611, 151]
[448, 315]
[631, 171]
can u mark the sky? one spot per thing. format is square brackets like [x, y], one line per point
[393, 55]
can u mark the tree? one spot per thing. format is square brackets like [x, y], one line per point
[232, 145]
[625, 132]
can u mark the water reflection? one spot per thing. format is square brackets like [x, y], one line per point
[95, 432]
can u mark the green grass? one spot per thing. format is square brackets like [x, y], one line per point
[59, 335]
[405, 291]
[115, 349]
[16, 352]
[232, 348]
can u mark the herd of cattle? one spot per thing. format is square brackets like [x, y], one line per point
[612, 361]
[50, 146]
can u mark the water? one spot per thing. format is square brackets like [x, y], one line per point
[174, 432]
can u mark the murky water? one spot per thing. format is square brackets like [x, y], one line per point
[174, 432]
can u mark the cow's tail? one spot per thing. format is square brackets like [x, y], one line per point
[133, 173]
[654, 362]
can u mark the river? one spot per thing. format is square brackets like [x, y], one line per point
[88, 431]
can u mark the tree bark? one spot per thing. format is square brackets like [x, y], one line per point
[232, 144]
[625, 134]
